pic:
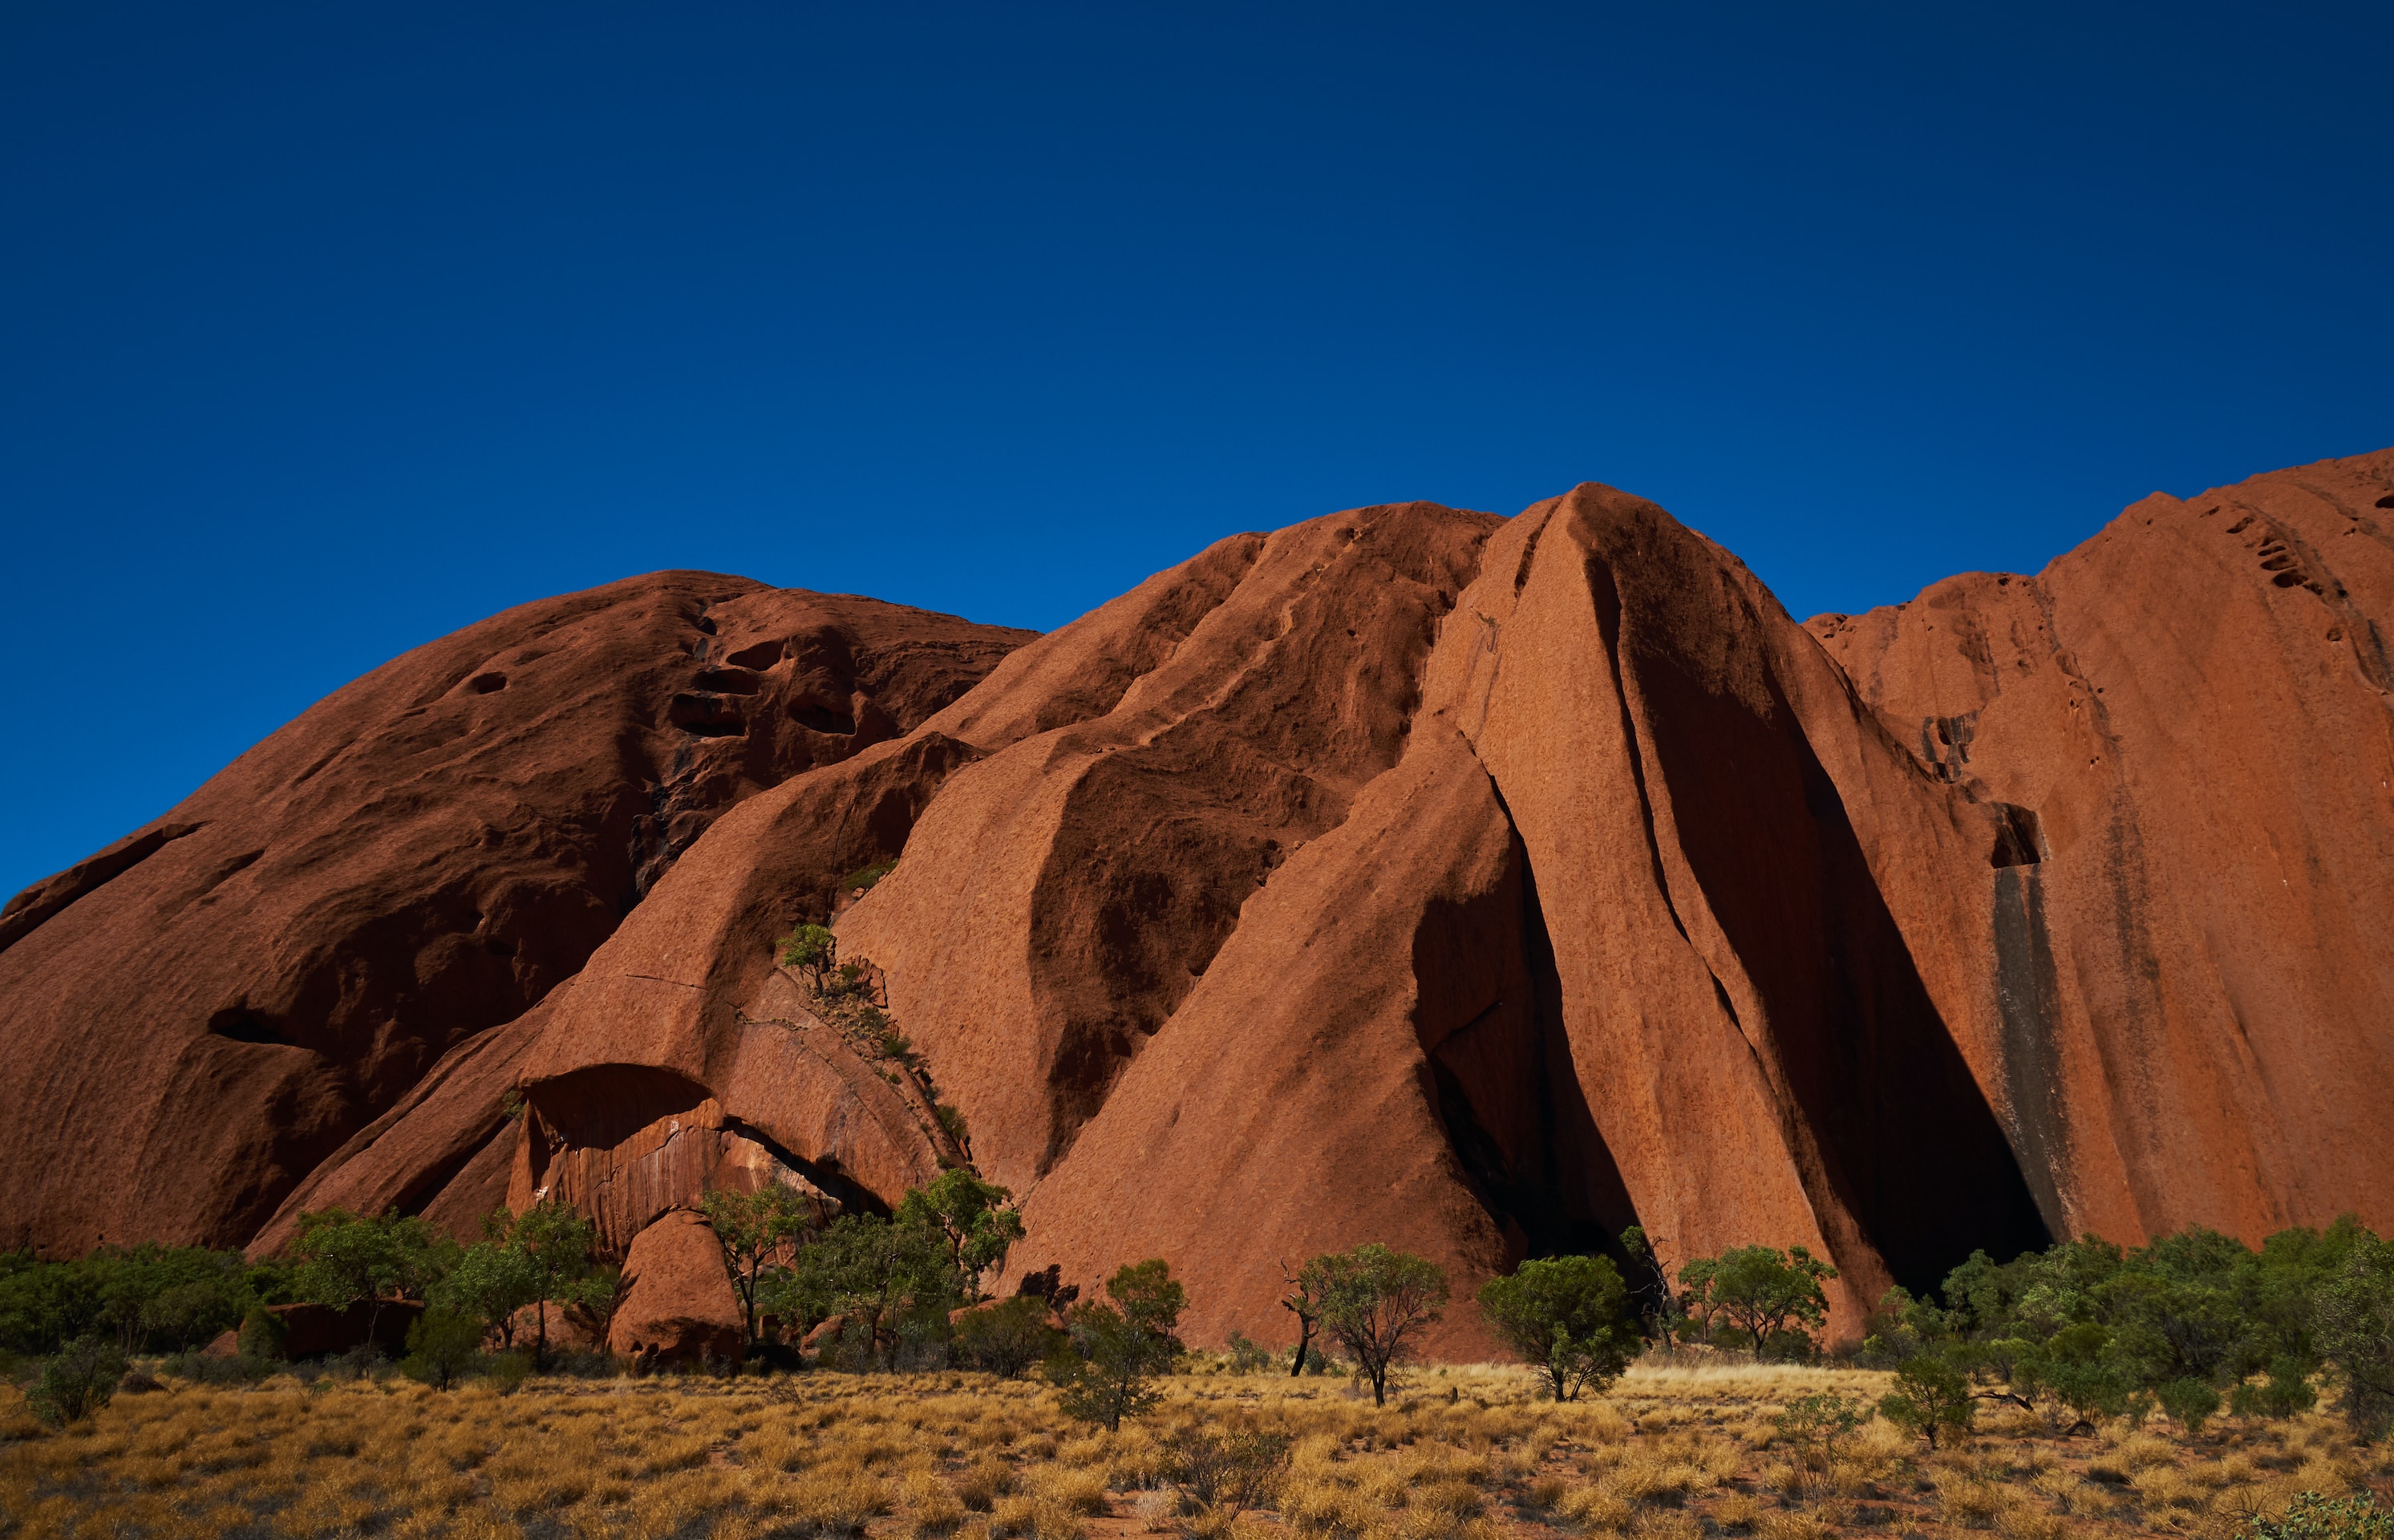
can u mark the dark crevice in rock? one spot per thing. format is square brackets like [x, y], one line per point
[1860, 1048]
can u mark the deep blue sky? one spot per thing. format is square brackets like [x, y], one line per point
[327, 329]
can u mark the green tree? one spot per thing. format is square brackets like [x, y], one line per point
[972, 1218]
[1570, 1316]
[2191, 1402]
[2355, 1325]
[1124, 1342]
[810, 947]
[555, 1243]
[439, 1345]
[1308, 1289]
[44, 1305]
[183, 1315]
[1761, 1290]
[873, 1271]
[1378, 1303]
[758, 1230]
[345, 1260]
[2070, 1372]
[1931, 1396]
[491, 1282]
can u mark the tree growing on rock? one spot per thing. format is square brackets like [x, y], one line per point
[813, 948]
[1570, 1316]
[1377, 1304]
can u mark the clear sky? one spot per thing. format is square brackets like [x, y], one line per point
[325, 329]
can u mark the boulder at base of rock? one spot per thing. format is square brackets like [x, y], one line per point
[677, 1302]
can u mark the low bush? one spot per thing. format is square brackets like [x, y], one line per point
[77, 1380]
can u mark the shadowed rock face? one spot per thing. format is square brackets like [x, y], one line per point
[1480, 885]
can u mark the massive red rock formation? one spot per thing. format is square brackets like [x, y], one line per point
[1482, 886]
[198, 1018]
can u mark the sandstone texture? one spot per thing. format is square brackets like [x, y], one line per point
[1480, 885]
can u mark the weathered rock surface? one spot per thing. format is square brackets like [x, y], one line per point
[197, 1019]
[2183, 919]
[1482, 887]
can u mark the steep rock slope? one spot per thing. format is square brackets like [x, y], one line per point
[197, 1017]
[2187, 721]
[1614, 943]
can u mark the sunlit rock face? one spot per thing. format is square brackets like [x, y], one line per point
[1480, 885]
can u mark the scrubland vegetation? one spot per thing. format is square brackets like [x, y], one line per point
[2192, 1386]
[1668, 1452]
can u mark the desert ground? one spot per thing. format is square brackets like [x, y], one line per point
[1670, 1452]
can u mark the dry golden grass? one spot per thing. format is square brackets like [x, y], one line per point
[1672, 1452]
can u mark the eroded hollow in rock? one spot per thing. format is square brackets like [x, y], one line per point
[624, 1143]
[2019, 839]
[243, 1025]
[823, 718]
[1489, 1020]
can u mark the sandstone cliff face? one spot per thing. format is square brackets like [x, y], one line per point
[1480, 885]
[2187, 723]
[198, 1018]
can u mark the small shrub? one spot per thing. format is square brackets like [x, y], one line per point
[77, 1380]
[1930, 1397]
[1229, 1470]
[440, 1345]
[1009, 1338]
[2189, 1401]
[2312, 1515]
[1250, 1356]
[262, 1333]
[505, 1371]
